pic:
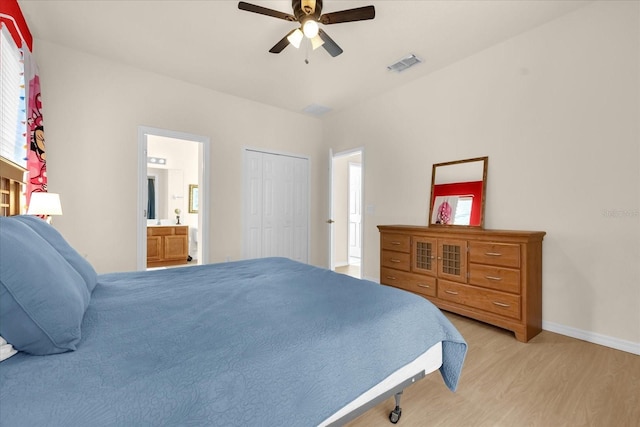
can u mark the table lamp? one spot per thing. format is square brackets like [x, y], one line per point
[45, 204]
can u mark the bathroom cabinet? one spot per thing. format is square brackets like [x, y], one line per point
[167, 245]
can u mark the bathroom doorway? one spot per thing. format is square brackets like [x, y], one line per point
[172, 179]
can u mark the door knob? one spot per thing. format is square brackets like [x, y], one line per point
[330, 221]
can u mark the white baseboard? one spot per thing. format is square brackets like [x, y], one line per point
[592, 337]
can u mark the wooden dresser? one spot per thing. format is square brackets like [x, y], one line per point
[494, 276]
[167, 245]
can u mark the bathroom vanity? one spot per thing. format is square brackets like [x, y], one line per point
[167, 245]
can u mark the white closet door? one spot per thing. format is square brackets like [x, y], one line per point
[300, 210]
[269, 203]
[253, 205]
[276, 206]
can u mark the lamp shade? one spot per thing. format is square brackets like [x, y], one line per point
[316, 42]
[44, 204]
[295, 38]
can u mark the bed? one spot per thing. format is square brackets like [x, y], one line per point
[260, 342]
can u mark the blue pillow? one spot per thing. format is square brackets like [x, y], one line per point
[42, 297]
[55, 239]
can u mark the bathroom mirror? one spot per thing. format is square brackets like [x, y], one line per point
[193, 198]
[458, 191]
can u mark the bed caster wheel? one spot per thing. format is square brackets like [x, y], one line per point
[394, 416]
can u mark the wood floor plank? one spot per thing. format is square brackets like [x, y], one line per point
[551, 381]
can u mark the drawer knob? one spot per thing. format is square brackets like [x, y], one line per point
[395, 243]
[501, 304]
[452, 292]
[391, 278]
[493, 253]
[394, 260]
[423, 286]
[493, 278]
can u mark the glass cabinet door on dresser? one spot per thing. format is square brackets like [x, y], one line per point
[425, 259]
[446, 259]
[452, 260]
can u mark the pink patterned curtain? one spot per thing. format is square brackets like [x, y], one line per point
[36, 149]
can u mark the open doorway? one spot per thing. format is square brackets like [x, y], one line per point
[346, 217]
[172, 179]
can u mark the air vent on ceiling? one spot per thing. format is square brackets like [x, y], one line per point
[316, 109]
[404, 63]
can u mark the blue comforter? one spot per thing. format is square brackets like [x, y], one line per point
[251, 343]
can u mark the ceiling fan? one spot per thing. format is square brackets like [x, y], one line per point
[309, 13]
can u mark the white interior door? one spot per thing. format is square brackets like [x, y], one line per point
[252, 204]
[355, 213]
[300, 213]
[270, 218]
[276, 206]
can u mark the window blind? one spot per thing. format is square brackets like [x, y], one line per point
[12, 105]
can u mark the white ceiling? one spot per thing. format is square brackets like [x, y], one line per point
[214, 44]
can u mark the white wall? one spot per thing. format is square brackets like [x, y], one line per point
[92, 110]
[557, 111]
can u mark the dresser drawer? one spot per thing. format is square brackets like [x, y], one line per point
[504, 254]
[398, 260]
[417, 283]
[396, 242]
[484, 299]
[499, 278]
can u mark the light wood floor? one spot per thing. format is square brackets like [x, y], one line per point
[350, 270]
[551, 381]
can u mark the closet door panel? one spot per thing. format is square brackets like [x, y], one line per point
[301, 210]
[286, 202]
[270, 205]
[253, 205]
[276, 206]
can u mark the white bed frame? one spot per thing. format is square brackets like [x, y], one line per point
[393, 385]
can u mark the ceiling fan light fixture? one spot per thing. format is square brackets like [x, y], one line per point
[309, 14]
[310, 28]
[316, 42]
[295, 38]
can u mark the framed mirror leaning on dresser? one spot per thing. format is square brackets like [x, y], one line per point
[458, 191]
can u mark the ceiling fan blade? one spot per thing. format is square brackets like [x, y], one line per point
[349, 15]
[329, 45]
[279, 47]
[265, 11]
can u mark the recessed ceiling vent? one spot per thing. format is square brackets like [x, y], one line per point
[316, 110]
[404, 63]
